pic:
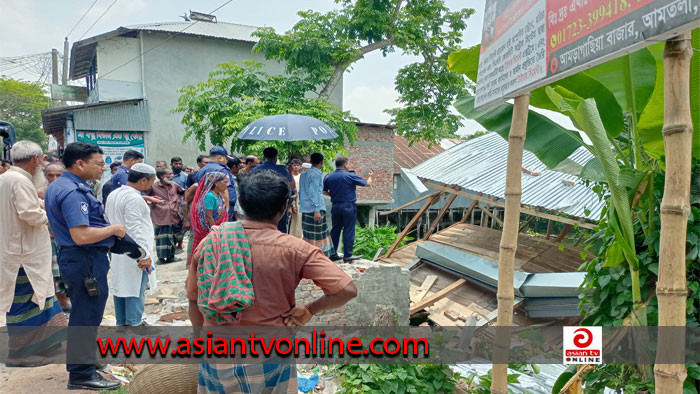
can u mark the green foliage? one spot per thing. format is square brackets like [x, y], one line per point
[606, 300]
[397, 378]
[21, 104]
[323, 46]
[628, 93]
[483, 385]
[616, 377]
[368, 240]
[235, 95]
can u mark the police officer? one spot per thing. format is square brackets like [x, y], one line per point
[83, 237]
[340, 185]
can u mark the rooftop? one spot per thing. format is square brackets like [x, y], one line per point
[84, 51]
[478, 167]
[406, 156]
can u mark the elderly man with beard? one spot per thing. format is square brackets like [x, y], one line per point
[53, 171]
[26, 283]
[166, 216]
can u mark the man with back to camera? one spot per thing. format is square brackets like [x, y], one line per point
[270, 164]
[120, 177]
[83, 238]
[340, 185]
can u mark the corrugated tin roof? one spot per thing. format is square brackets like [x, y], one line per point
[83, 52]
[479, 166]
[406, 156]
[223, 30]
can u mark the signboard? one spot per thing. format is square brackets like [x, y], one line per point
[530, 43]
[69, 93]
[114, 143]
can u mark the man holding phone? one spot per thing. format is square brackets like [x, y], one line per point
[340, 185]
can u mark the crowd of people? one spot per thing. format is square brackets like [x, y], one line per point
[65, 225]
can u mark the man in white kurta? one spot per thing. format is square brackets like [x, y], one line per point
[24, 232]
[129, 277]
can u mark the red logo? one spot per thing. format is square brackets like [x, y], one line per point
[553, 65]
[583, 337]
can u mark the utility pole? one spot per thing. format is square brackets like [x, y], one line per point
[54, 65]
[54, 71]
[64, 79]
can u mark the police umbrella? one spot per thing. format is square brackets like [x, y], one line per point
[287, 127]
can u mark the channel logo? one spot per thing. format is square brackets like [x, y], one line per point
[583, 345]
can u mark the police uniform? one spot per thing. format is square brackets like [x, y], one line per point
[70, 203]
[120, 177]
[341, 185]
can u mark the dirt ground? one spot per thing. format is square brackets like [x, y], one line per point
[168, 298]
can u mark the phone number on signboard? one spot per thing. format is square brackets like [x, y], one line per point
[596, 17]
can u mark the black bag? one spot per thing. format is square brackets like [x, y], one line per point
[129, 247]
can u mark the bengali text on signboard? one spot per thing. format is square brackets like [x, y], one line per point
[114, 143]
[530, 43]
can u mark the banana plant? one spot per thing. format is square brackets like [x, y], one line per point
[585, 116]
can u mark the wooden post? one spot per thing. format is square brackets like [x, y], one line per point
[549, 228]
[563, 233]
[469, 211]
[413, 221]
[439, 216]
[675, 207]
[509, 240]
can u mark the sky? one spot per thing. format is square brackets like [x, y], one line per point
[36, 26]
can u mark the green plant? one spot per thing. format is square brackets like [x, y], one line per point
[369, 240]
[483, 386]
[397, 378]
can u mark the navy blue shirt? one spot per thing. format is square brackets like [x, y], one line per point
[278, 168]
[341, 184]
[70, 203]
[120, 177]
[191, 179]
[214, 166]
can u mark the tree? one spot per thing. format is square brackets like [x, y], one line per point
[320, 48]
[21, 104]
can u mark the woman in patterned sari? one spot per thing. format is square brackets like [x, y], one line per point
[210, 205]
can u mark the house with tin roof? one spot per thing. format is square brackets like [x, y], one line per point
[133, 74]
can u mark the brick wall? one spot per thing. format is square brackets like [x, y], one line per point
[378, 285]
[374, 150]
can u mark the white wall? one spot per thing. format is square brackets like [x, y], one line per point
[179, 62]
[113, 53]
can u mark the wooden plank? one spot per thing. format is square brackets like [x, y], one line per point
[489, 214]
[408, 204]
[437, 296]
[563, 233]
[423, 290]
[529, 211]
[410, 225]
[439, 216]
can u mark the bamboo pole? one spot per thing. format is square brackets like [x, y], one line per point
[509, 240]
[675, 207]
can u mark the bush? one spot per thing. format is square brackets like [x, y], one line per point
[368, 240]
[397, 378]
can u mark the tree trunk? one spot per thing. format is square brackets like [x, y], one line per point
[509, 240]
[675, 206]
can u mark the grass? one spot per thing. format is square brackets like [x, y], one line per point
[121, 390]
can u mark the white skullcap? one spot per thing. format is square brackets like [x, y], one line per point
[143, 168]
[306, 165]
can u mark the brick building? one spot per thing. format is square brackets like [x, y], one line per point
[374, 150]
